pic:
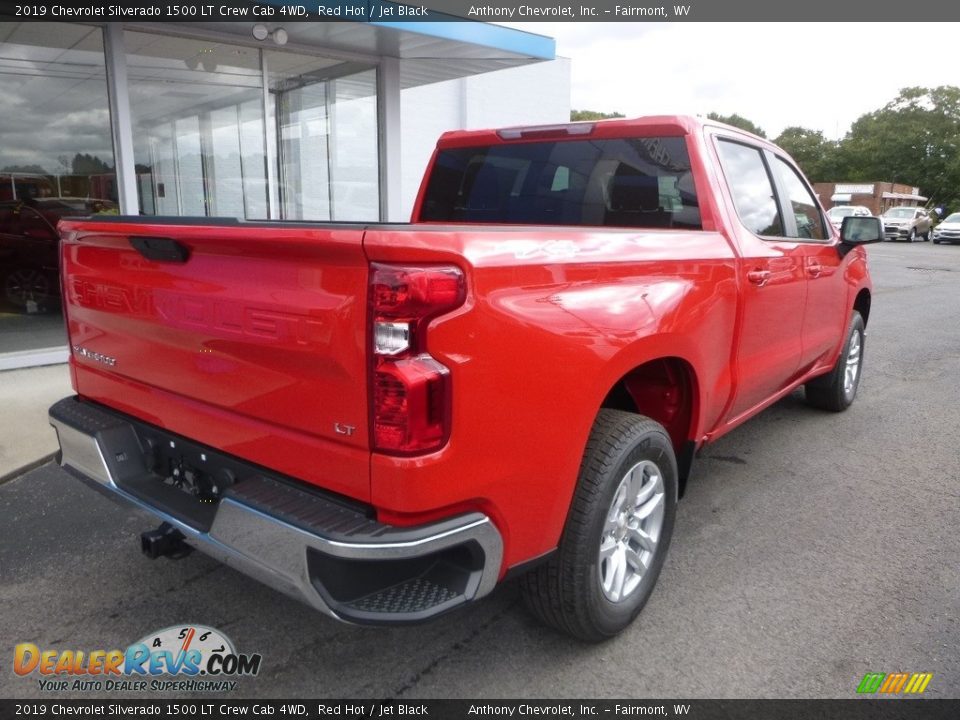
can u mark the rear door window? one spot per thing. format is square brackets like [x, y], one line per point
[619, 182]
[751, 187]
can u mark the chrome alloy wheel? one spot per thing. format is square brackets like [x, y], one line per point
[852, 369]
[631, 531]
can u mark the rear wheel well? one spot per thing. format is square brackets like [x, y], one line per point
[862, 305]
[663, 390]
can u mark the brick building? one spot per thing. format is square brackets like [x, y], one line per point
[878, 196]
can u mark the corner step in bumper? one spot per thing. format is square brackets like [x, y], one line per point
[327, 551]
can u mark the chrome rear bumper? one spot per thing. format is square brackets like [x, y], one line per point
[327, 553]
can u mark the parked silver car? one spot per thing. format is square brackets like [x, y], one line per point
[906, 223]
[839, 212]
[948, 230]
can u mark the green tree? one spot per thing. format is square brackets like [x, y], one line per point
[85, 164]
[738, 121]
[819, 158]
[577, 115]
[914, 139]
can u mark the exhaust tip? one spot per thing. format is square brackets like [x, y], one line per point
[165, 541]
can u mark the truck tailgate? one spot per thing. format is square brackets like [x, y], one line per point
[254, 342]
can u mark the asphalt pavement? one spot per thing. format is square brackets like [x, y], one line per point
[811, 548]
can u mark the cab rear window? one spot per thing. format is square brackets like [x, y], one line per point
[635, 182]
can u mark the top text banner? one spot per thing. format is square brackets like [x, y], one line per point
[377, 11]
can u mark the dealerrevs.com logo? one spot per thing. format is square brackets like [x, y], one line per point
[180, 658]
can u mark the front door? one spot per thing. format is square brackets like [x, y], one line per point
[824, 316]
[773, 280]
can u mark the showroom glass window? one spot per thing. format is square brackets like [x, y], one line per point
[56, 160]
[197, 115]
[202, 129]
[323, 122]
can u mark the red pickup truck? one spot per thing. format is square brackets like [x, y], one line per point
[385, 420]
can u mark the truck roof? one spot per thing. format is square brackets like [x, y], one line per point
[669, 125]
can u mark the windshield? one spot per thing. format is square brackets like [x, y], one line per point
[952, 218]
[619, 182]
[900, 212]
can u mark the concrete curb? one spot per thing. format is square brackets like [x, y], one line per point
[27, 468]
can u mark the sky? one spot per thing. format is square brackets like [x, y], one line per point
[774, 74]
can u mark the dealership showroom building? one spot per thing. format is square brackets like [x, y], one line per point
[281, 121]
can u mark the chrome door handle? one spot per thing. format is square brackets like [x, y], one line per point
[758, 277]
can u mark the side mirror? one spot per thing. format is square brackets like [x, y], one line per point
[859, 231]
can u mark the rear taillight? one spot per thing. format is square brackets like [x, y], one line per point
[410, 390]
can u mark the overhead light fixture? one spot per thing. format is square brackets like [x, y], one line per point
[261, 32]
[204, 58]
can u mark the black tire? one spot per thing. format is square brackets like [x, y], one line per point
[830, 391]
[567, 592]
[912, 236]
[926, 236]
[934, 240]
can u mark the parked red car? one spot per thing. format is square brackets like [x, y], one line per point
[385, 421]
[29, 248]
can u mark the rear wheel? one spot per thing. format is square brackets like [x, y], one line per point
[913, 235]
[617, 531]
[837, 389]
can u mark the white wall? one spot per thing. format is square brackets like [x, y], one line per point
[529, 95]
